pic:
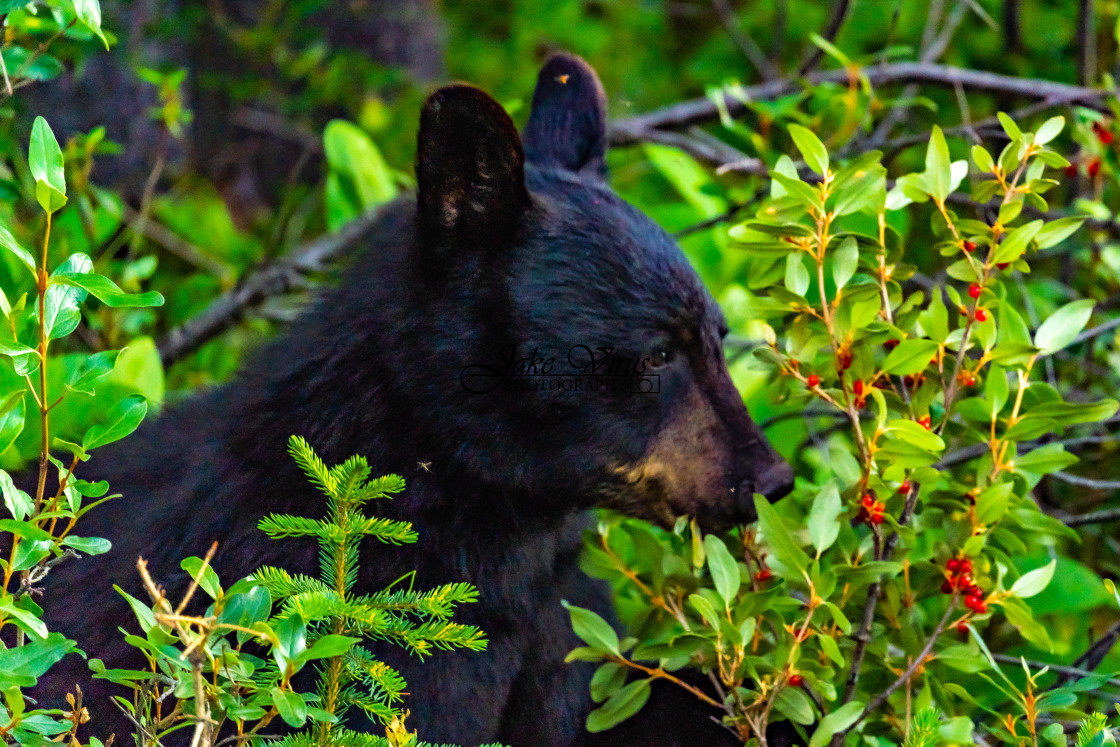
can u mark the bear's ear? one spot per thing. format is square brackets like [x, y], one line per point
[567, 128]
[470, 168]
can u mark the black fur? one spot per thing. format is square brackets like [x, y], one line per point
[495, 253]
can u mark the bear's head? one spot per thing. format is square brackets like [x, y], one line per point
[594, 368]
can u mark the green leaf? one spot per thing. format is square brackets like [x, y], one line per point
[29, 553]
[705, 609]
[593, 629]
[11, 419]
[107, 291]
[627, 701]
[122, 421]
[88, 13]
[1015, 242]
[844, 261]
[607, 680]
[812, 149]
[44, 157]
[1020, 616]
[35, 657]
[1061, 327]
[1049, 130]
[915, 434]
[329, 646]
[88, 545]
[836, 722]
[860, 186]
[206, 577]
[93, 368]
[910, 357]
[1056, 231]
[939, 169]
[25, 619]
[797, 277]
[983, 159]
[24, 529]
[143, 612]
[290, 706]
[778, 537]
[60, 310]
[1045, 459]
[1009, 126]
[1035, 581]
[824, 518]
[794, 704]
[724, 569]
[18, 503]
[9, 242]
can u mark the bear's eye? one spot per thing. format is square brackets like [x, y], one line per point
[660, 358]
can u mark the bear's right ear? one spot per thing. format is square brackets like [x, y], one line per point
[567, 128]
[470, 168]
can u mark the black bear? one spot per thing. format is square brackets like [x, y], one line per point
[520, 344]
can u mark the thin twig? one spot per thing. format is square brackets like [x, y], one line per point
[743, 42]
[1105, 516]
[1056, 668]
[1087, 482]
[919, 661]
[839, 15]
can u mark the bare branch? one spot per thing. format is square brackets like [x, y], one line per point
[1087, 482]
[1012, 32]
[1055, 668]
[1086, 43]
[1105, 516]
[686, 114]
[261, 284]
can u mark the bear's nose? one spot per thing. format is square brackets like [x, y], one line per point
[776, 482]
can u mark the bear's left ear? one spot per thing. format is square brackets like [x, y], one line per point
[470, 168]
[567, 128]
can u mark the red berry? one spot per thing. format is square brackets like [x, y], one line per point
[1103, 133]
[1003, 265]
[844, 360]
[908, 381]
[975, 290]
[981, 315]
[764, 575]
[970, 381]
[962, 628]
[925, 421]
[981, 607]
[868, 500]
[813, 381]
[857, 388]
[890, 345]
[964, 581]
[1094, 167]
[876, 519]
[796, 680]
[974, 591]
[966, 565]
[904, 488]
[953, 565]
[968, 246]
[1071, 170]
[946, 587]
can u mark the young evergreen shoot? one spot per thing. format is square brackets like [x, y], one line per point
[334, 616]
